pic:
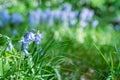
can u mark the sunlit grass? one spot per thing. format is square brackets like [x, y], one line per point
[71, 53]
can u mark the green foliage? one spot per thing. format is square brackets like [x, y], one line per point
[98, 3]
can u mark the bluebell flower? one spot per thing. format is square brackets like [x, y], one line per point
[72, 22]
[4, 16]
[57, 14]
[28, 38]
[38, 38]
[67, 6]
[51, 22]
[26, 52]
[51, 19]
[83, 23]
[86, 14]
[34, 18]
[73, 14]
[14, 32]
[117, 27]
[10, 46]
[73, 17]
[46, 15]
[95, 23]
[16, 18]
[64, 18]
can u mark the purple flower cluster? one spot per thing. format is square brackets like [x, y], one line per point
[65, 16]
[117, 27]
[28, 38]
[16, 18]
[86, 16]
[5, 17]
[34, 18]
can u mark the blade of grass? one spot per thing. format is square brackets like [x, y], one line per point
[105, 59]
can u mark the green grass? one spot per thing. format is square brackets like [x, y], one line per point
[64, 54]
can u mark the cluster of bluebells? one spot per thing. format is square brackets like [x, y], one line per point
[65, 15]
[31, 36]
[86, 16]
[6, 17]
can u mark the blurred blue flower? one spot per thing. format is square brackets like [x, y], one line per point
[28, 38]
[95, 23]
[57, 14]
[117, 27]
[64, 16]
[26, 52]
[38, 38]
[34, 18]
[16, 18]
[67, 7]
[86, 14]
[14, 32]
[73, 17]
[4, 16]
[10, 46]
[46, 15]
[72, 22]
[83, 23]
[90, 15]
[51, 18]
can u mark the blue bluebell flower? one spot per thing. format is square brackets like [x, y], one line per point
[4, 16]
[86, 14]
[10, 46]
[26, 52]
[73, 17]
[64, 19]
[28, 38]
[67, 6]
[117, 27]
[16, 18]
[38, 38]
[34, 18]
[14, 32]
[57, 14]
[51, 18]
[45, 16]
[95, 23]
[83, 23]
